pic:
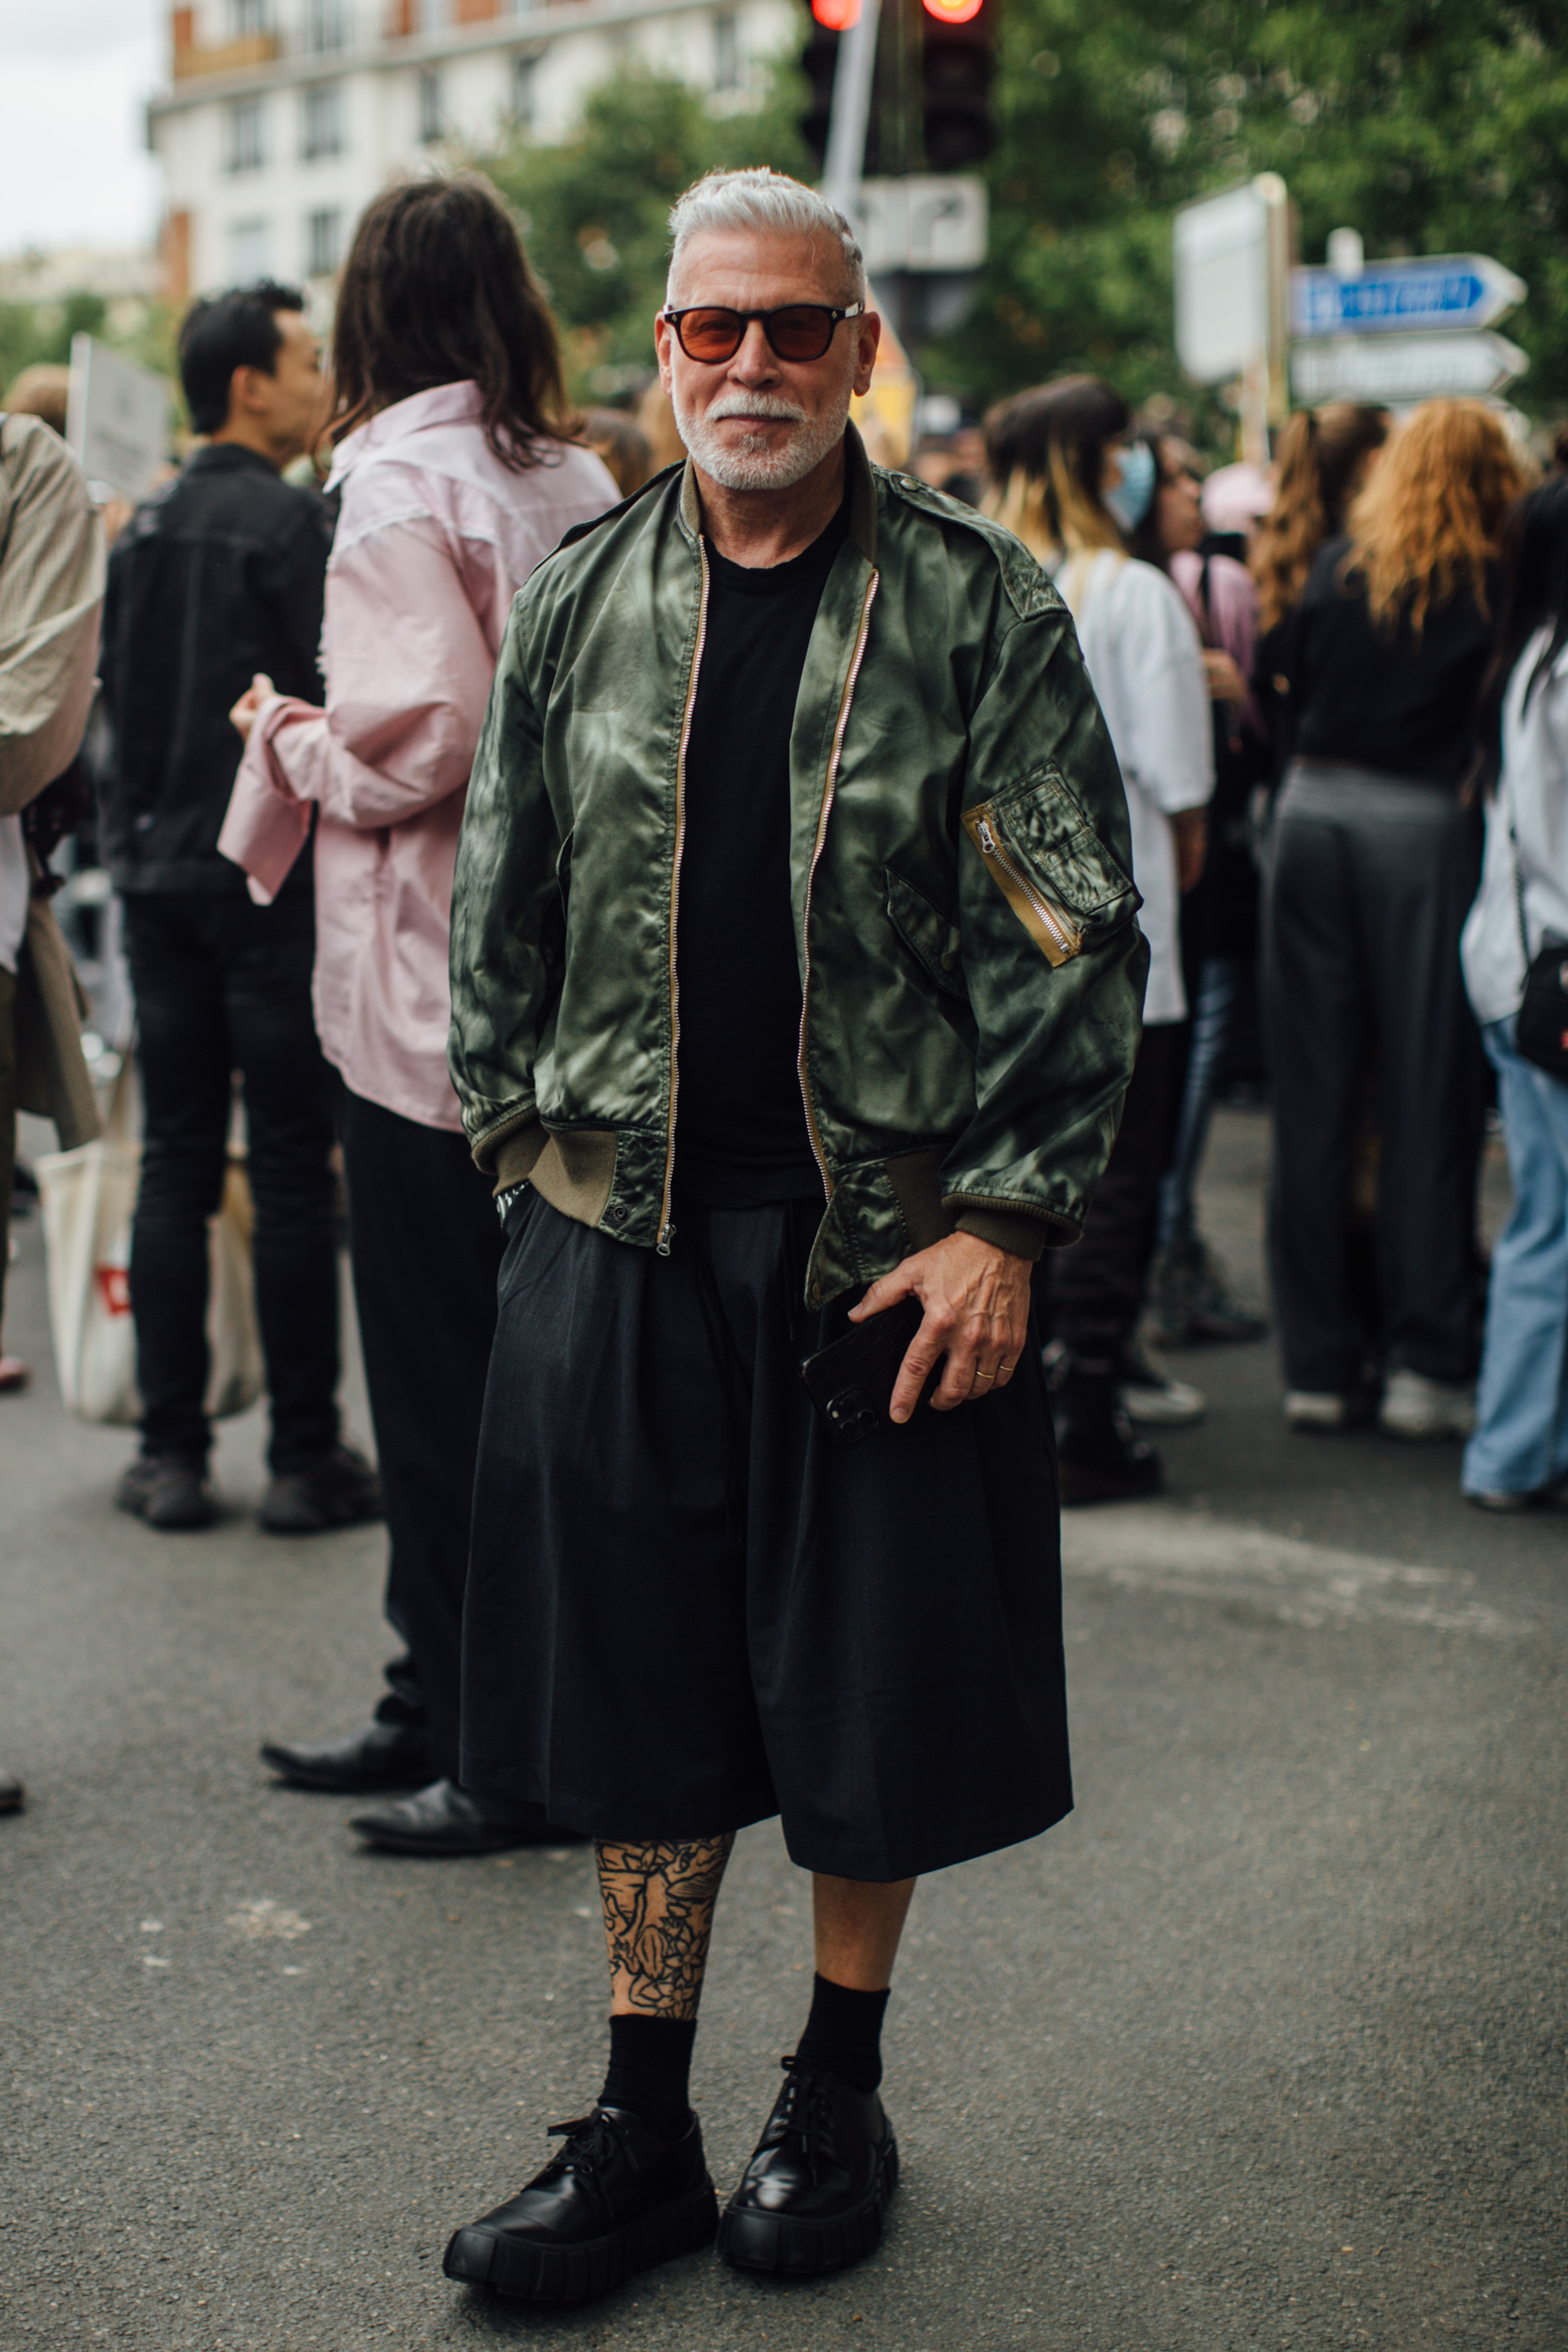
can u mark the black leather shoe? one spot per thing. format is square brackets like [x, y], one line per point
[383, 1755]
[446, 1819]
[341, 1490]
[167, 1491]
[1098, 1457]
[813, 2195]
[616, 2200]
[12, 1794]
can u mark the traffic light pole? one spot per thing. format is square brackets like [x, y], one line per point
[851, 111]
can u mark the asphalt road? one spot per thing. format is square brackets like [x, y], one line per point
[1262, 2048]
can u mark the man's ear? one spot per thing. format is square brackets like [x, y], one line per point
[868, 335]
[661, 351]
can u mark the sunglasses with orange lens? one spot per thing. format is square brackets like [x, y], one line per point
[797, 330]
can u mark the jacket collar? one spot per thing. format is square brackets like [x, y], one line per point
[862, 498]
[227, 457]
[443, 403]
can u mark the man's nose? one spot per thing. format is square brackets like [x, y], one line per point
[754, 362]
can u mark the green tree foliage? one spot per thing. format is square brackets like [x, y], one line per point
[1432, 126]
[32, 333]
[595, 211]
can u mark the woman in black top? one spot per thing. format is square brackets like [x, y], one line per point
[1374, 868]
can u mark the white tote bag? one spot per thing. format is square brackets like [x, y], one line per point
[88, 1198]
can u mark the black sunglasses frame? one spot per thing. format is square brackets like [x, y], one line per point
[823, 309]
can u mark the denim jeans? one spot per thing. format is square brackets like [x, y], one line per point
[1214, 1002]
[1521, 1436]
[223, 985]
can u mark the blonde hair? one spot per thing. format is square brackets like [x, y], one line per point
[1430, 519]
[1322, 457]
[1044, 452]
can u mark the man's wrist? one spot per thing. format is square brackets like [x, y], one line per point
[1012, 1229]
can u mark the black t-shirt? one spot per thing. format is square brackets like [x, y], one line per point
[740, 1123]
[1384, 697]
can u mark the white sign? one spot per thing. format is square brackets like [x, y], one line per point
[928, 221]
[1405, 367]
[1227, 256]
[117, 418]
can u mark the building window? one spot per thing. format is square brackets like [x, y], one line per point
[323, 241]
[326, 27]
[524, 92]
[245, 136]
[249, 20]
[248, 246]
[726, 52]
[432, 16]
[431, 126]
[321, 122]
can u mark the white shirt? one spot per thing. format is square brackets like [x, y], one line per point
[1144, 660]
[1532, 789]
[14, 891]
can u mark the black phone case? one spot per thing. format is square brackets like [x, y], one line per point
[851, 1382]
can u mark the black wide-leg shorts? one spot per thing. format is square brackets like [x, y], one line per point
[688, 1610]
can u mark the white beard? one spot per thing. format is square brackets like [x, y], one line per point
[740, 467]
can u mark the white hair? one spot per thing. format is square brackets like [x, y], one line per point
[769, 203]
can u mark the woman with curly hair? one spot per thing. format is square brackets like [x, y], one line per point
[1374, 865]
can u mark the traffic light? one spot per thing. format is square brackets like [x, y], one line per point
[818, 62]
[958, 68]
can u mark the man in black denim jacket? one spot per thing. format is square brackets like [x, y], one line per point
[219, 574]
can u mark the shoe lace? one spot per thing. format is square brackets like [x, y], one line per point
[591, 2140]
[805, 2112]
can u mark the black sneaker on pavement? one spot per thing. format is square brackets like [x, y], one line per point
[617, 2198]
[12, 1794]
[813, 2197]
[341, 1489]
[167, 1491]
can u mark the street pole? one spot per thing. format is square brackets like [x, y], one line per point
[851, 109]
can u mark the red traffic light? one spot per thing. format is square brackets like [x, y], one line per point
[949, 12]
[838, 15]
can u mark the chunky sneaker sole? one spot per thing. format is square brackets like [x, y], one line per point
[809, 2250]
[574, 2274]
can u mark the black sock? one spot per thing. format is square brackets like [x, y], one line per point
[650, 2070]
[843, 2033]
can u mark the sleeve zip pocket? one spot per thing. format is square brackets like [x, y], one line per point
[1049, 925]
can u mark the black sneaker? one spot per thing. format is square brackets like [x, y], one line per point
[813, 2197]
[618, 2198]
[1098, 1457]
[339, 1490]
[167, 1491]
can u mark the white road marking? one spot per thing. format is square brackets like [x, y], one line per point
[1155, 1548]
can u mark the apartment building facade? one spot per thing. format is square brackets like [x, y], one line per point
[283, 117]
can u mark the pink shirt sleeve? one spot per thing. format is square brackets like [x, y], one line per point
[409, 664]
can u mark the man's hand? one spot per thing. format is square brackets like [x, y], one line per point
[244, 713]
[977, 1302]
[1225, 682]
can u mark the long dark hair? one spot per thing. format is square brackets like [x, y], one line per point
[438, 290]
[1045, 452]
[1534, 597]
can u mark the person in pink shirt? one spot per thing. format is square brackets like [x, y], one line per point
[456, 477]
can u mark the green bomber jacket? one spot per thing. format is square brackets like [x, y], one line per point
[972, 970]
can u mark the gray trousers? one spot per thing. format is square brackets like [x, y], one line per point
[1371, 879]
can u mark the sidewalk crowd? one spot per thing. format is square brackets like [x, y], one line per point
[755, 938]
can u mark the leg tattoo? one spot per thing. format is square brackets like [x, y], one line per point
[658, 1899]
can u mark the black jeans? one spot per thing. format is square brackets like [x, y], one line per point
[223, 985]
[1371, 879]
[1092, 1294]
[426, 1245]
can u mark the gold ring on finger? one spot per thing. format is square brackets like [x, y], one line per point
[985, 1376]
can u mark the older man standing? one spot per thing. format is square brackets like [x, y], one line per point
[792, 950]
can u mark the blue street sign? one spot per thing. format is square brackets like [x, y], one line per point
[1449, 290]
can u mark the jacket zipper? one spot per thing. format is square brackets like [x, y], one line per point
[812, 1128]
[1016, 885]
[666, 1229]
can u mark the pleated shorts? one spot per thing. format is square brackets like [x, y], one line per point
[688, 1610]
